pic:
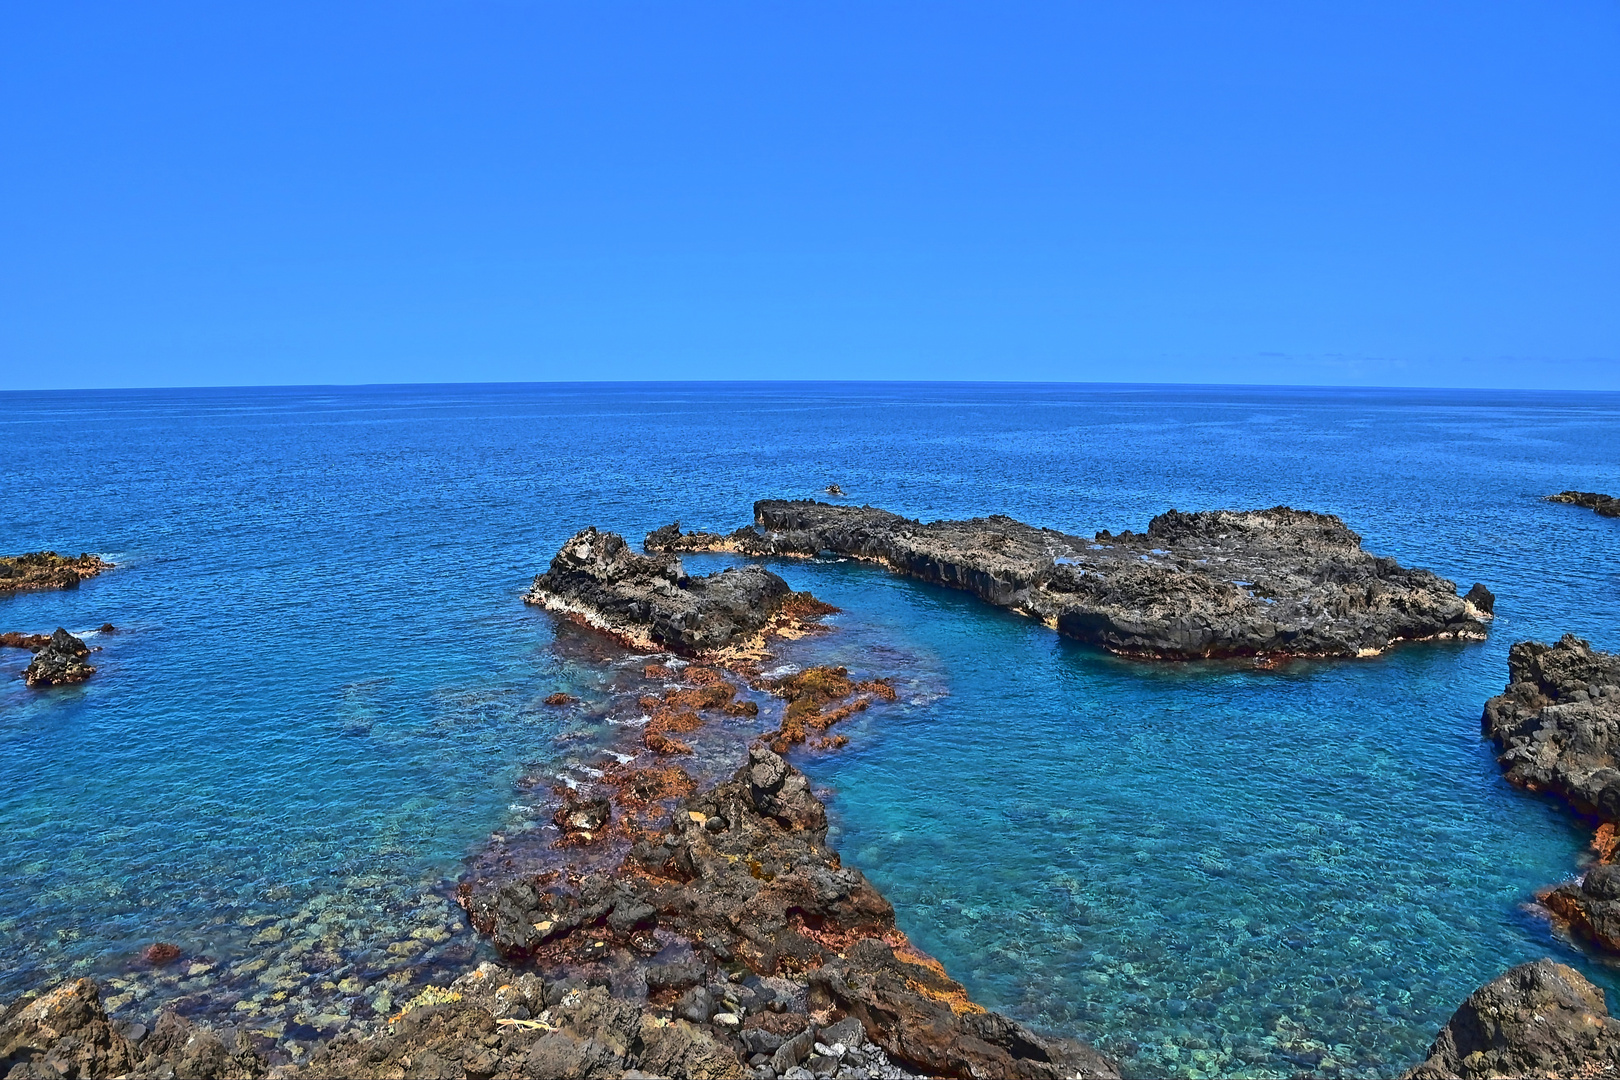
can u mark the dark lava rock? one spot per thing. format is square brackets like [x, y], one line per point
[47, 570]
[65, 1033]
[60, 661]
[1276, 582]
[650, 602]
[583, 818]
[1558, 723]
[1540, 1019]
[766, 894]
[1605, 505]
[1558, 728]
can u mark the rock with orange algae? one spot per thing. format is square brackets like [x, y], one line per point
[48, 570]
[1278, 582]
[560, 698]
[650, 602]
[809, 693]
[1537, 1020]
[741, 880]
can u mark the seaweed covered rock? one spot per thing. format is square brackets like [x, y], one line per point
[1537, 1020]
[1278, 582]
[47, 570]
[60, 661]
[1603, 505]
[651, 603]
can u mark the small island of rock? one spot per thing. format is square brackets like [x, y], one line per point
[47, 570]
[1603, 505]
[1264, 583]
[59, 658]
[649, 602]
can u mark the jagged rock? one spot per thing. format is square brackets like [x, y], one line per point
[1558, 728]
[1558, 723]
[1276, 582]
[742, 875]
[651, 603]
[1537, 1020]
[47, 570]
[1604, 505]
[61, 661]
[64, 1032]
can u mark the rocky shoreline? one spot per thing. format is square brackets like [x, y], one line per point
[1264, 583]
[48, 570]
[1603, 505]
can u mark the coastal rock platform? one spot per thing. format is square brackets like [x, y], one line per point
[650, 602]
[1261, 583]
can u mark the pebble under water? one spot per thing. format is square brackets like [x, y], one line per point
[324, 688]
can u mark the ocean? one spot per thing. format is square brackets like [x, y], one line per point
[324, 688]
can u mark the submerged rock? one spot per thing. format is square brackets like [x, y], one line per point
[1276, 582]
[1558, 728]
[651, 603]
[47, 570]
[60, 661]
[1537, 1020]
[1604, 505]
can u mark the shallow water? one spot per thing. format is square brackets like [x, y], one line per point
[324, 687]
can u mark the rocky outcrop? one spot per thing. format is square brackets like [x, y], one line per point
[1604, 505]
[1558, 723]
[59, 661]
[1265, 583]
[66, 1033]
[742, 924]
[649, 602]
[1537, 1020]
[1557, 726]
[47, 570]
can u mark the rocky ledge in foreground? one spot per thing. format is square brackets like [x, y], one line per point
[47, 570]
[1276, 582]
[1604, 505]
[1558, 728]
[649, 602]
[1537, 1020]
[735, 929]
[59, 658]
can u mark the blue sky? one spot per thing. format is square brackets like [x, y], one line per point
[1339, 193]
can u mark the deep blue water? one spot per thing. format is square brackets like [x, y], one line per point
[325, 684]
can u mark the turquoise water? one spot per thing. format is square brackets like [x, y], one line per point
[324, 687]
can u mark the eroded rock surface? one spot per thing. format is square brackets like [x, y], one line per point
[59, 661]
[1537, 1020]
[1604, 505]
[738, 920]
[47, 570]
[649, 601]
[1276, 582]
[1558, 728]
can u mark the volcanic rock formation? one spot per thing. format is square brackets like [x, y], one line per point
[1541, 1019]
[755, 939]
[1276, 582]
[1604, 505]
[1558, 728]
[649, 601]
[58, 659]
[47, 570]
